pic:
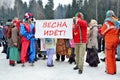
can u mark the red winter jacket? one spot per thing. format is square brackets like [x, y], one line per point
[80, 31]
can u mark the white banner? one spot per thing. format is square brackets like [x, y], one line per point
[58, 28]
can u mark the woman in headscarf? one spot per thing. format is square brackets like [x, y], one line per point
[92, 45]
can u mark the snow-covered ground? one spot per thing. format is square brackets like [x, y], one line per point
[60, 71]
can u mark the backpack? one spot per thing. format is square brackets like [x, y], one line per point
[48, 40]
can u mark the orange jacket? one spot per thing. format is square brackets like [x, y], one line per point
[110, 33]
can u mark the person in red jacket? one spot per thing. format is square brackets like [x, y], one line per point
[27, 32]
[111, 36]
[80, 39]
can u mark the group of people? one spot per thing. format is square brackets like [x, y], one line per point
[86, 38]
[21, 42]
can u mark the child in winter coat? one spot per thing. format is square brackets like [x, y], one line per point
[50, 44]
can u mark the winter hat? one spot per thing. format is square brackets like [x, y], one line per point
[110, 16]
[79, 15]
[28, 15]
[110, 13]
[93, 22]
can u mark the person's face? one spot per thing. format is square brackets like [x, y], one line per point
[30, 20]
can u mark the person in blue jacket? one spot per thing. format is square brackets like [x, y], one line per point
[28, 49]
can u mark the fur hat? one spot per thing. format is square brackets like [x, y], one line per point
[93, 22]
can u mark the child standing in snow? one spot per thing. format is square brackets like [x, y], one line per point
[50, 44]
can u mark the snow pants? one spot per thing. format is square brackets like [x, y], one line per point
[24, 51]
[110, 61]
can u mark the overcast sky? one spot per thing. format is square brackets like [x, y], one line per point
[56, 2]
[10, 3]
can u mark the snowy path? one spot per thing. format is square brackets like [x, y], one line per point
[61, 71]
